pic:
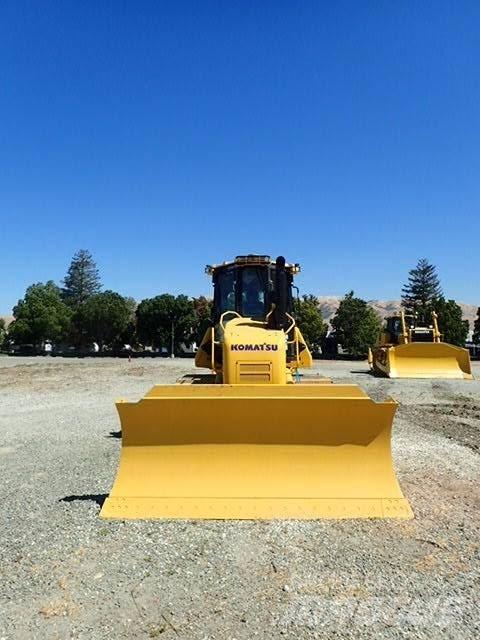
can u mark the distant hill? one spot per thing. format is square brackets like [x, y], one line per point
[329, 304]
[8, 319]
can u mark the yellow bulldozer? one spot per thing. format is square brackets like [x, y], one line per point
[254, 439]
[412, 348]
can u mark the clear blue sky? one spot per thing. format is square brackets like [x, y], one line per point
[165, 135]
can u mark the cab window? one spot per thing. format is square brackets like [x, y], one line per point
[254, 285]
[225, 291]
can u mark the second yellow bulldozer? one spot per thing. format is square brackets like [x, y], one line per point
[253, 440]
[410, 348]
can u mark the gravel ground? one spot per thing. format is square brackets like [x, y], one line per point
[64, 573]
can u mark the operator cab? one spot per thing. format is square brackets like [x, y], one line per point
[394, 326]
[418, 329]
[250, 285]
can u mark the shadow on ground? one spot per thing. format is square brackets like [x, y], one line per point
[99, 498]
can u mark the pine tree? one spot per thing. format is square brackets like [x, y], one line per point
[476, 328]
[82, 279]
[422, 288]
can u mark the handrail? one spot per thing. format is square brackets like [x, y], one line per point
[405, 333]
[212, 355]
[292, 325]
[437, 336]
[274, 306]
[225, 313]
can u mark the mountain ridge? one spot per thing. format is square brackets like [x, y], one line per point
[329, 304]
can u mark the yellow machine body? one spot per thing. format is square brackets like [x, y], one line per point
[259, 444]
[431, 358]
[423, 360]
[253, 353]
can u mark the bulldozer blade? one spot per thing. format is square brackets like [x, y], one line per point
[428, 360]
[256, 452]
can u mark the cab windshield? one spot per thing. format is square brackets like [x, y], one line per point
[225, 291]
[254, 283]
[242, 289]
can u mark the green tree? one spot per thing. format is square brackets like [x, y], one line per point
[82, 279]
[453, 328]
[357, 325]
[310, 321]
[41, 315]
[203, 316]
[129, 334]
[164, 320]
[422, 288]
[476, 328]
[104, 317]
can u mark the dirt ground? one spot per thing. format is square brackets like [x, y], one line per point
[64, 573]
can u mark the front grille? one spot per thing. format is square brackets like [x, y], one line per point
[249, 372]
